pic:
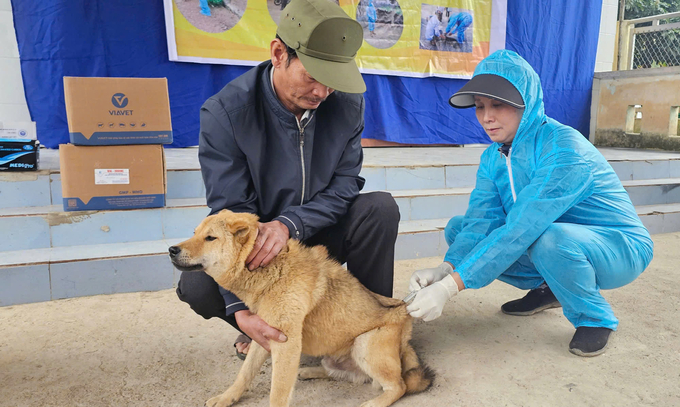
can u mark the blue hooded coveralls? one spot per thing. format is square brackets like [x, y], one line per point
[205, 10]
[372, 15]
[552, 210]
[460, 22]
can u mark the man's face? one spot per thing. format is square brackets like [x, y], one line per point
[295, 87]
[500, 120]
[300, 88]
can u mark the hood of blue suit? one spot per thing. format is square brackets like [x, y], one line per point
[515, 69]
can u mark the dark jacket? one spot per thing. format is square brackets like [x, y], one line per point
[256, 158]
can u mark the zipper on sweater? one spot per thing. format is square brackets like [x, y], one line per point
[301, 127]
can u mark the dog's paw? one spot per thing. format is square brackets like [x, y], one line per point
[310, 373]
[220, 401]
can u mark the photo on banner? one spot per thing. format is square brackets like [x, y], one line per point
[445, 38]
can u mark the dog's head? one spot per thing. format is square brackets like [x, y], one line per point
[220, 243]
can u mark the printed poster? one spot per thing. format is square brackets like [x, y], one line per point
[445, 38]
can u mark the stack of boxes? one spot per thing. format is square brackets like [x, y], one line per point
[117, 127]
[19, 147]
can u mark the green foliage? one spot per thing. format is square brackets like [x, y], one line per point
[647, 8]
[659, 49]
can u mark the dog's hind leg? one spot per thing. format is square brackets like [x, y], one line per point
[256, 357]
[377, 353]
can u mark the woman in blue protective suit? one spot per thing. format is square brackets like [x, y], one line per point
[372, 16]
[547, 214]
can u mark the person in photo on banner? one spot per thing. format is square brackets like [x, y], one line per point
[548, 214]
[283, 141]
[458, 24]
[205, 9]
[433, 30]
[372, 16]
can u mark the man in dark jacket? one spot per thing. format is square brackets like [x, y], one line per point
[280, 141]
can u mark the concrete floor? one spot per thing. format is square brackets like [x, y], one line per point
[149, 349]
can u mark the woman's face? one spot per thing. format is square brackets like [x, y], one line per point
[500, 120]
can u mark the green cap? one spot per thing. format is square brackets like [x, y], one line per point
[326, 40]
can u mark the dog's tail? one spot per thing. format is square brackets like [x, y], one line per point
[417, 376]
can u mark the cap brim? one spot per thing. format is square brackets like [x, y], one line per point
[487, 85]
[341, 76]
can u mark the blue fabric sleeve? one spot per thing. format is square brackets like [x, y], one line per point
[562, 179]
[326, 207]
[451, 23]
[485, 214]
[232, 303]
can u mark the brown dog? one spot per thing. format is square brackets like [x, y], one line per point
[316, 303]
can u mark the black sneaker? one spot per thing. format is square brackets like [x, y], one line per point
[536, 300]
[589, 341]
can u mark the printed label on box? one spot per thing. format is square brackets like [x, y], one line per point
[104, 176]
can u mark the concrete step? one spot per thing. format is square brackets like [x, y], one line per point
[36, 275]
[658, 219]
[653, 191]
[37, 227]
[48, 226]
[91, 268]
[384, 169]
[40, 227]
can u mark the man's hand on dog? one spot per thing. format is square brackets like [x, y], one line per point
[257, 329]
[271, 238]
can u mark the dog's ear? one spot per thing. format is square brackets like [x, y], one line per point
[240, 230]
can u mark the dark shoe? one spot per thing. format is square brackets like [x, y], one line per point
[241, 339]
[536, 300]
[589, 341]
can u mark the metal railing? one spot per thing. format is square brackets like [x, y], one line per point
[650, 42]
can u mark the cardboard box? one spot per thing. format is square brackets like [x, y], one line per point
[24, 131]
[19, 155]
[112, 177]
[115, 111]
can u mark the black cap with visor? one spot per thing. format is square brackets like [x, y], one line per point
[490, 86]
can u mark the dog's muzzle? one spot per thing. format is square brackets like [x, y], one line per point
[177, 261]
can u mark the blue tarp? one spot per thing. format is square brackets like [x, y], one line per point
[126, 38]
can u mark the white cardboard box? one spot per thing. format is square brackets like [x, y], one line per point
[17, 130]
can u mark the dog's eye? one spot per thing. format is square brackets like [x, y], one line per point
[210, 238]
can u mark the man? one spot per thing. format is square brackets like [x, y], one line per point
[280, 142]
[433, 28]
[548, 213]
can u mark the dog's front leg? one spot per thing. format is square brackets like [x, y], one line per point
[285, 363]
[256, 357]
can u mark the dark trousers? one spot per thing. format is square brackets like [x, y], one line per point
[364, 238]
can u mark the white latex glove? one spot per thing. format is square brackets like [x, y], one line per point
[423, 278]
[429, 301]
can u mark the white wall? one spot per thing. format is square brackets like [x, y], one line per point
[12, 99]
[607, 40]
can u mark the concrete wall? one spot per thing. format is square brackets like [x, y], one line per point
[12, 99]
[606, 44]
[636, 109]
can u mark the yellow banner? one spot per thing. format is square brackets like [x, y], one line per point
[408, 38]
